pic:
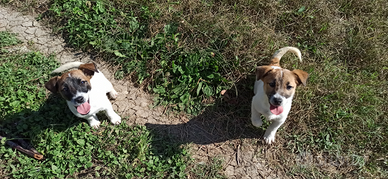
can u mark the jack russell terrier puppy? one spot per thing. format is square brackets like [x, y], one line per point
[85, 90]
[274, 89]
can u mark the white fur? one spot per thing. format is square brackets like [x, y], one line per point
[279, 53]
[260, 106]
[98, 101]
[67, 66]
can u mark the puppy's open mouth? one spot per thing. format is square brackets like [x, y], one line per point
[275, 109]
[84, 108]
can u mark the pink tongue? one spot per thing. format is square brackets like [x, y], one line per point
[276, 109]
[84, 108]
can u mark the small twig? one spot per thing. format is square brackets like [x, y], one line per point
[261, 174]
[199, 80]
[200, 147]
[32, 152]
[165, 109]
[36, 78]
[25, 145]
[202, 80]
[238, 155]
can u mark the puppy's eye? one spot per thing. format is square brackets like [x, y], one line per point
[83, 82]
[272, 84]
[65, 89]
[289, 87]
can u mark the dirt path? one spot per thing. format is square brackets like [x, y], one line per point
[207, 137]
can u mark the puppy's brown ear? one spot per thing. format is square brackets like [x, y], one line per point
[89, 69]
[52, 84]
[301, 77]
[261, 71]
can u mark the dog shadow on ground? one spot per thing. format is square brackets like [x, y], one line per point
[228, 119]
[27, 124]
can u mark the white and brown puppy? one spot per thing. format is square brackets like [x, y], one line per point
[274, 89]
[85, 91]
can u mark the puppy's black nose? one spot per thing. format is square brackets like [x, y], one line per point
[277, 101]
[79, 99]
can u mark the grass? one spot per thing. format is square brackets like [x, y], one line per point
[208, 170]
[187, 51]
[70, 147]
[7, 39]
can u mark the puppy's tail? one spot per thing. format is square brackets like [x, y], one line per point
[67, 66]
[279, 54]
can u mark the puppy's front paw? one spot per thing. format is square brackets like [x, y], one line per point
[269, 138]
[95, 124]
[113, 94]
[115, 119]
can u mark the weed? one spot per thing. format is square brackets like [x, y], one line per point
[188, 81]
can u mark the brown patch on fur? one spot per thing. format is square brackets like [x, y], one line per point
[88, 69]
[289, 80]
[301, 76]
[280, 81]
[84, 72]
[277, 81]
[70, 82]
[52, 84]
[55, 84]
[261, 71]
[273, 77]
[80, 74]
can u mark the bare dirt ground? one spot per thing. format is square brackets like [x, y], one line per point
[209, 135]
